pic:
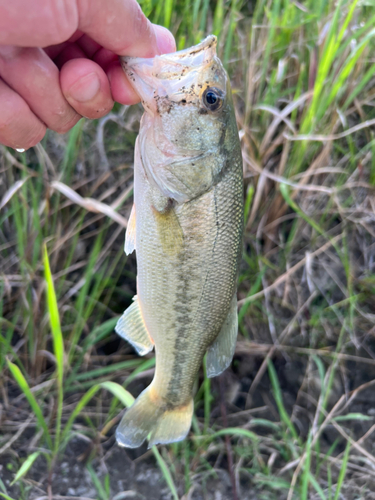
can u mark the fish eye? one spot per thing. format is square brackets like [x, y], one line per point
[212, 98]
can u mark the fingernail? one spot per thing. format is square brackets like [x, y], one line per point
[86, 88]
[164, 40]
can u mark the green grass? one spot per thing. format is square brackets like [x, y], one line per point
[303, 79]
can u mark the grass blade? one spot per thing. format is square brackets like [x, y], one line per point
[218, 18]
[166, 472]
[20, 379]
[7, 497]
[342, 473]
[207, 398]
[352, 416]
[317, 487]
[168, 9]
[58, 342]
[98, 485]
[117, 390]
[235, 431]
[284, 190]
[25, 466]
[279, 400]
[306, 471]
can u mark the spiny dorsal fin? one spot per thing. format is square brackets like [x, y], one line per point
[132, 328]
[221, 351]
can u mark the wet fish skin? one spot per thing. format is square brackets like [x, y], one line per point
[187, 225]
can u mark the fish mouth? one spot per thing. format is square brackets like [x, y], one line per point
[161, 76]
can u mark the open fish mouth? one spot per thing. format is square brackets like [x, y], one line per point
[174, 65]
[165, 75]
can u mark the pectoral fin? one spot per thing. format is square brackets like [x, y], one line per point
[130, 233]
[132, 328]
[221, 351]
[169, 231]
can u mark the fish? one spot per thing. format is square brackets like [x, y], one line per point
[186, 228]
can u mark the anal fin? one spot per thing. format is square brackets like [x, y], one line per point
[221, 351]
[130, 233]
[132, 328]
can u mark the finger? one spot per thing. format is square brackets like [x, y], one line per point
[71, 51]
[123, 28]
[19, 127]
[165, 40]
[38, 23]
[32, 74]
[88, 45]
[121, 89]
[76, 36]
[86, 88]
[118, 25]
[104, 57]
[54, 50]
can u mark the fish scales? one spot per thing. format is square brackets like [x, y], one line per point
[188, 206]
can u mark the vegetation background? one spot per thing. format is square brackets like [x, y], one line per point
[294, 416]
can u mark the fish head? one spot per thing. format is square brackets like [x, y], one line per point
[188, 105]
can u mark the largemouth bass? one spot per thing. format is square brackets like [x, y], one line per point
[186, 227]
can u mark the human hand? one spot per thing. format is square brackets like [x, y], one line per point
[58, 62]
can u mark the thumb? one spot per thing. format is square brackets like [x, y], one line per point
[121, 26]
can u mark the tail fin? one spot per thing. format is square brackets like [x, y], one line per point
[148, 415]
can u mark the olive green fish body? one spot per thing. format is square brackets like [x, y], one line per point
[187, 230]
